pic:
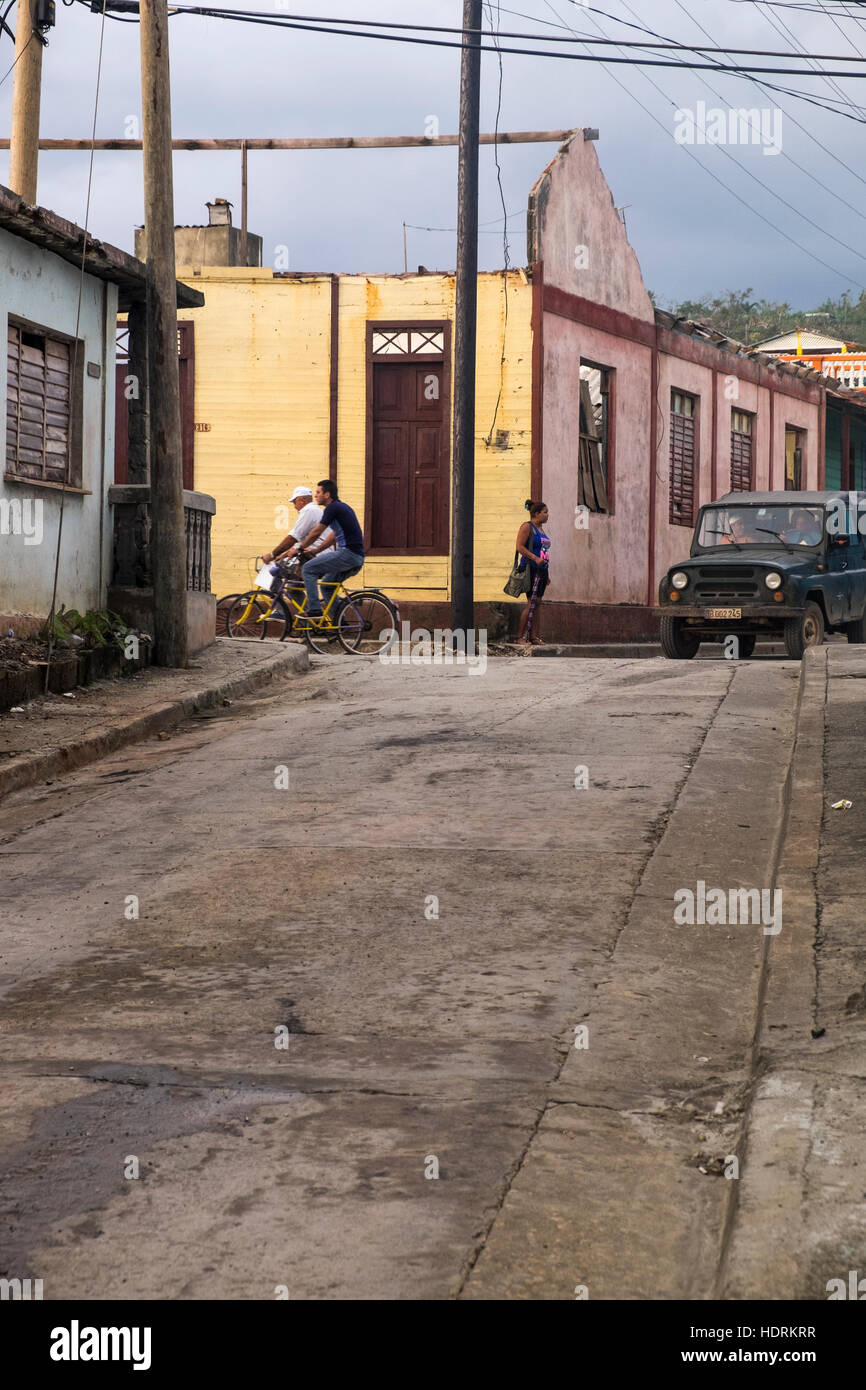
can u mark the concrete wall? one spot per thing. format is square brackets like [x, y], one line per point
[38, 286]
[262, 385]
[217, 245]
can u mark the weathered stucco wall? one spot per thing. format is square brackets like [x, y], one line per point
[39, 287]
[605, 563]
[578, 234]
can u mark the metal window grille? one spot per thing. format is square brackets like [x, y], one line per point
[682, 460]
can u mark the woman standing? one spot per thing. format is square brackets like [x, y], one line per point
[533, 547]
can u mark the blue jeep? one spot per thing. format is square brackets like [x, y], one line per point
[769, 564]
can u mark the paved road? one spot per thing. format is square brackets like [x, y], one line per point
[423, 917]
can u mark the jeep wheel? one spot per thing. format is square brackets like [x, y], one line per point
[806, 630]
[856, 631]
[677, 642]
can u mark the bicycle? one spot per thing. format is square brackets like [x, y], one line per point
[362, 621]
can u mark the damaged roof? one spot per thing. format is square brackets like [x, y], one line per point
[725, 343]
[44, 228]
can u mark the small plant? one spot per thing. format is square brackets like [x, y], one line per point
[96, 628]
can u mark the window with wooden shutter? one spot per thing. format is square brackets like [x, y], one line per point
[42, 407]
[595, 444]
[742, 454]
[682, 472]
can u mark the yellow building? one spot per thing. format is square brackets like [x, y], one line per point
[303, 377]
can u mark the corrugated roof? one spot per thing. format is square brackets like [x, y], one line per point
[66, 240]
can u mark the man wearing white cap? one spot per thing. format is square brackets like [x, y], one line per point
[309, 515]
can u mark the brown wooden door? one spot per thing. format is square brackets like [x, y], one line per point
[410, 481]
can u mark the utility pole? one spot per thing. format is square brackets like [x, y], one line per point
[168, 542]
[26, 97]
[465, 314]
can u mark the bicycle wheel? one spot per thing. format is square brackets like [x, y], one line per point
[324, 641]
[367, 623]
[247, 618]
[222, 612]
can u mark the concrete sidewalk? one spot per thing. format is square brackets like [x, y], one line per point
[800, 1220]
[57, 733]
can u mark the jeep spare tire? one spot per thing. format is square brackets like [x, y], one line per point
[677, 641]
[806, 630]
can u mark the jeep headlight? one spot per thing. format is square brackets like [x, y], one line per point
[773, 580]
[679, 580]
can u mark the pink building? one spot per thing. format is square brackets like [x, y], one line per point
[671, 413]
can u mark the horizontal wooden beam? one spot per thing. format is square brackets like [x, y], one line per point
[336, 142]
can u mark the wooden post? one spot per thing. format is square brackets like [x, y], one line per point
[168, 541]
[26, 97]
[465, 314]
[138, 461]
[244, 256]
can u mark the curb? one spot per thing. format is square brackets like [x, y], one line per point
[623, 650]
[764, 1259]
[26, 771]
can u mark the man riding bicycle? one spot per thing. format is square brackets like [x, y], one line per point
[309, 515]
[329, 565]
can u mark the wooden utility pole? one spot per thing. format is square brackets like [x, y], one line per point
[26, 97]
[465, 312]
[168, 542]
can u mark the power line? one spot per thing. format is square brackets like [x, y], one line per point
[795, 44]
[18, 59]
[784, 154]
[727, 187]
[774, 87]
[828, 104]
[269, 21]
[754, 177]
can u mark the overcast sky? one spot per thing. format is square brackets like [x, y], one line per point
[343, 210]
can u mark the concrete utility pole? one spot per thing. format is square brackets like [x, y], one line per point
[26, 97]
[465, 312]
[168, 542]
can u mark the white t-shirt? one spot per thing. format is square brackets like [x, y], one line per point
[308, 517]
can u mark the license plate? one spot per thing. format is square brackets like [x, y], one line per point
[723, 612]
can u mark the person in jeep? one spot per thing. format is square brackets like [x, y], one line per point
[805, 530]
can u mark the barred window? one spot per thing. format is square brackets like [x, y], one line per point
[682, 462]
[742, 451]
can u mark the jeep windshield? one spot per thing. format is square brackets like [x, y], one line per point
[742, 525]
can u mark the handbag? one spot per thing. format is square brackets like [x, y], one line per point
[518, 582]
